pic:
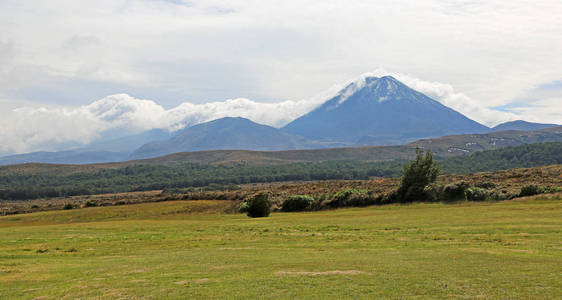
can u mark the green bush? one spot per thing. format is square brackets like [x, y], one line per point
[476, 194]
[432, 193]
[297, 203]
[243, 208]
[455, 191]
[354, 197]
[89, 204]
[342, 198]
[418, 174]
[486, 185]
[259, 206]
[530, 190]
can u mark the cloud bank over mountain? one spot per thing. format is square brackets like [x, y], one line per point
[28, 129]
[39, 128]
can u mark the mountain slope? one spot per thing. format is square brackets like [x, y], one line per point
[521, 125]
[377, 111]
[226, 133]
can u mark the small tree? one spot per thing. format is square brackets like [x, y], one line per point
[259, 206]
[418, 174]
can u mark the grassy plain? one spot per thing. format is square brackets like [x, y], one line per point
[191, 249]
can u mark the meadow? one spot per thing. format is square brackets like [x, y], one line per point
[194, 249]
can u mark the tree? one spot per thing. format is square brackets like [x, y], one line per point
[259, 206]
[418, 174]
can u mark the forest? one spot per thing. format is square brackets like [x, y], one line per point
[23, 186]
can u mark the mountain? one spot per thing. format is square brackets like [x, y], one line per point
[226, 133]
[64, 157]
[521, 125]
[447, 146]
[234, 160]
[101, 151]
[377, 111]
[127, 143]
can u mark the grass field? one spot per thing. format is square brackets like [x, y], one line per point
[190, 249]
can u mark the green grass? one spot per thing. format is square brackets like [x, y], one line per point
[188, 249]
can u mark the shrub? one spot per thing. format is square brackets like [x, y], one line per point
[455, 191]
[486, 185]
[89, 204]
[419, 173]
[68, 206]
[476, 194]
[530, 190]
[243, 207]
[297, 203]
[432, 193]
[389, 198]
[259, 206]
[344, 198]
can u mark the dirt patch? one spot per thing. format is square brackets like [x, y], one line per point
[182, 282]
[334, 272]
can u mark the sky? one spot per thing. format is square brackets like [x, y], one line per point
[72, 71]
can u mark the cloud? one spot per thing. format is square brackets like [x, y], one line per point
[39, 128]
[494, 51]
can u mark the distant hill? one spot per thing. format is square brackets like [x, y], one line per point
[64, 157]
[448, 146]
[101, 151]
[381, 111]
[521, 125]
[226, 133]
[454, 145]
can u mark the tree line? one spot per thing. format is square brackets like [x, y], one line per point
[155, 177]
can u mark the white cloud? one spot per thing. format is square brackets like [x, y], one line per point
[39, 128]
[493, 50]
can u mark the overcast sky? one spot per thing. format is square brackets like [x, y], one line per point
[491, 60]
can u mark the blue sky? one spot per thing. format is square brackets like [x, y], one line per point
[492, 60]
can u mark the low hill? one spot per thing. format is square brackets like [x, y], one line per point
[64, 157]
[454, 145]
[522, 125]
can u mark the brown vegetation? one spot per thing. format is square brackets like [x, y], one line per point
[506, 184]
